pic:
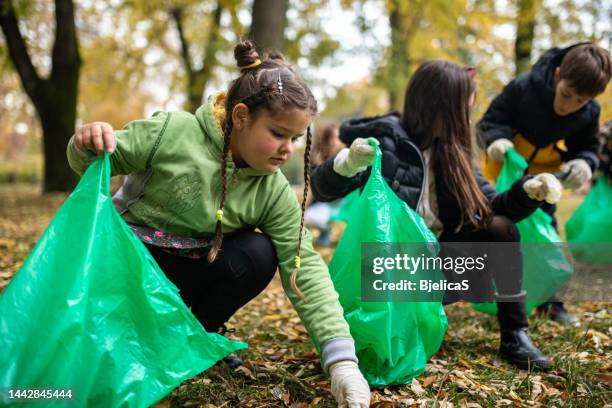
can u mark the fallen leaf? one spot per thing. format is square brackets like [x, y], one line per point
[427, 381]
[465, 363]
[315, 401]
[416, 387]
[551, 392]
[246, 371]
[605, 378]
[383, 404]
[277, 392]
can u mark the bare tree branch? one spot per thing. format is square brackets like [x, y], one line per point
[213, 43]
[177, 13]
[17, 49]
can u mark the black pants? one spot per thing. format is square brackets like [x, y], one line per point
[550, 209]
[507, 276]
[244, 267]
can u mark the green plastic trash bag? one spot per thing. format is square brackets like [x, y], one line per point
[545, 266]
[393, 340]
[91, 311]
[589, 229]
[343, 212]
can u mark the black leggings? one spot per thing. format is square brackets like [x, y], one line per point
[506, 270]
[550, 209]
[244, 267]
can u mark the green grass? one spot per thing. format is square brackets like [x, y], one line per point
[27, 169]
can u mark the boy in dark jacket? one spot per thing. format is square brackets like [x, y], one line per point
[550, 117]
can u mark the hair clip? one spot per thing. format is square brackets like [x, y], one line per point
[279, 82]
[250, 66]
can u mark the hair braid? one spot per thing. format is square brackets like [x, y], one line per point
[227, 134]
[294, 286]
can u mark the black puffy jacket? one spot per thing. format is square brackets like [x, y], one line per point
[525, 106]
[403, 169]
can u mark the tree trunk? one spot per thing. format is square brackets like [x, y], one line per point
[268, 24]
[525, 28]
[57, 111]
[398, 64]
[197, 79]
[54, 98]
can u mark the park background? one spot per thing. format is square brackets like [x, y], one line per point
[64, 63]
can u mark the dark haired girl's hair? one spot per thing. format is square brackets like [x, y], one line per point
[271, 85]
[437, 116]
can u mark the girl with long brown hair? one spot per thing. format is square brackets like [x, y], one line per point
[428, 162]
[199, 184]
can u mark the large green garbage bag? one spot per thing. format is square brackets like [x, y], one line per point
[589, 229]
[393, 339]
[91, 311]
[545, 266]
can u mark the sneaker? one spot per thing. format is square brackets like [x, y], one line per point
[558, 313]
[233, 361]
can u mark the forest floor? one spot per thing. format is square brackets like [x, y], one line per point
[282, 369]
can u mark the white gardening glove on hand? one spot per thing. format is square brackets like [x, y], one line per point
[579, 172]
[543, 187]
[348, 386]
[357, 158]
[497, 149]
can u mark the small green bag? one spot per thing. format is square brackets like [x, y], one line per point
[545, 267]
[393, 340]
[92, 312]
[589, 229]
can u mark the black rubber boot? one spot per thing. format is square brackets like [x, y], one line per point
[516, 347]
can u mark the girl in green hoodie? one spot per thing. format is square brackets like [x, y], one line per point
[197, 186]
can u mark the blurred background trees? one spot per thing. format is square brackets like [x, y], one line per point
[63, 63]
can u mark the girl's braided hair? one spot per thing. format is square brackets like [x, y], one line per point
[272, 85]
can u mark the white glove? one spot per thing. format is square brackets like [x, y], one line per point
[543, 187]
[579, 173]
[357, 158]
[348, 386]
[497, 149]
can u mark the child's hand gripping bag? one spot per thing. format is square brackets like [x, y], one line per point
[545, 266]
[91, 311]
[393, 339]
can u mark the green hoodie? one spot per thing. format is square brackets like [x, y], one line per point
[173, 165]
